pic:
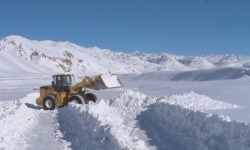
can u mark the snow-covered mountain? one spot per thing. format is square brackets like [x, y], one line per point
[18, 54]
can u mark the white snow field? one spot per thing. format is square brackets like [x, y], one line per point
[149, 112]
[167, 102]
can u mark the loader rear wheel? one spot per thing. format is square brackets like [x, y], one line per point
[91, 97]
[76, 99]
[49, 103]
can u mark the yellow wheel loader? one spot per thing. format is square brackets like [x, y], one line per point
[61, 92]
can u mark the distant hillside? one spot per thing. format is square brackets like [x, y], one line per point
[21, 55]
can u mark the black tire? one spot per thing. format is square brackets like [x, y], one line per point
[49, 103]
[91, 97]
[76, 99]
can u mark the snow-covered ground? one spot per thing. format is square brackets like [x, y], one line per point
[156, 110]
[166, 102]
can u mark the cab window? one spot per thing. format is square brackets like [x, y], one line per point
[54, 79]
[66, 80]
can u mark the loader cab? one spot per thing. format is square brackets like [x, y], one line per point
[61, 82]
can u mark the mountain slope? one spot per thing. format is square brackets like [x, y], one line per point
[21, 55]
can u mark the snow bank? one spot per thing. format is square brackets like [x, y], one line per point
[119, 113]
[194, 75]
[83, 130]
[194, 101]
[133, 120]
[131, 100]
[8, 107]
[16, 120]
[212, 74]
[159, 130]
[105, 125]
[173, 127]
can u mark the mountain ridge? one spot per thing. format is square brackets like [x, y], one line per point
[63, 56]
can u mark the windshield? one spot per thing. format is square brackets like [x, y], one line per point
[66, 80]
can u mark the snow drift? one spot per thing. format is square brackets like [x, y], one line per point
[84, 131]
[173, 127]
[212, 74]
[194, 75]
[196, 102]
[133, 120]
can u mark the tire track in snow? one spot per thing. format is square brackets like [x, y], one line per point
[25, 126]
[44, 133]
[16, 123]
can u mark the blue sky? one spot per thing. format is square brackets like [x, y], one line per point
[182, 27]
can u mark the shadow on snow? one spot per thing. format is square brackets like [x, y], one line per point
[84, 131]
[173, 127]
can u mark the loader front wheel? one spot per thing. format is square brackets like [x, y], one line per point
[49, 103]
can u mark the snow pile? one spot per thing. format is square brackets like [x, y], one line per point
[84, 131]
[8, 107]
[173, 127]
[105, 126]
[195, 102]
[16, 122]
[133, 120]
[122, 123]
[131, 100]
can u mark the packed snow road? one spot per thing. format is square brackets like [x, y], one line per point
[26, 126]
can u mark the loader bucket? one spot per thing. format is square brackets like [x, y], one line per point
[107, 82]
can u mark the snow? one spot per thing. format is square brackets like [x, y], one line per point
[212, 74]
[166, 101]
[84, 131]
[172, 127]
[196, 102]
[19, 118]
[58, 57]
[135, 121]
[111, 81]
[127, 118]
[8, 107]
[23, 125]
